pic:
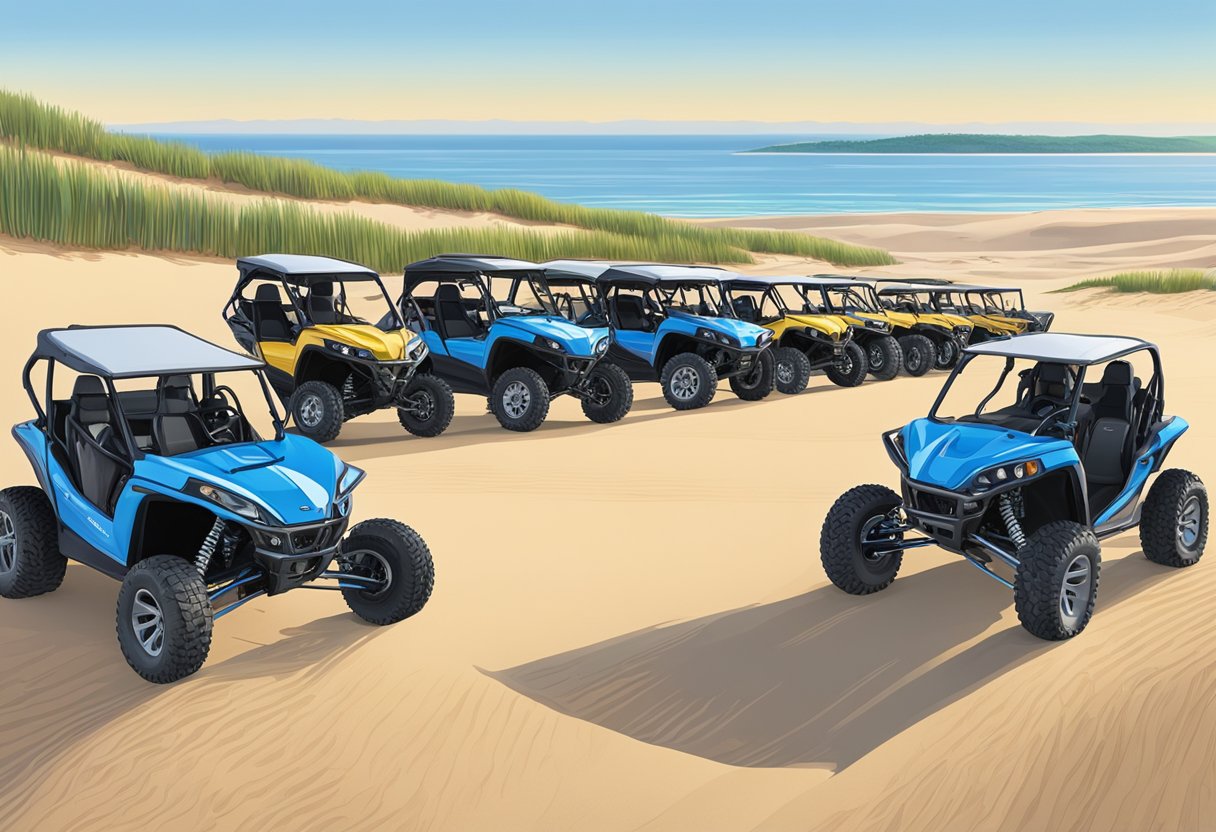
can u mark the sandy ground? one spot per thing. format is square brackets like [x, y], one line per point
[630, 628]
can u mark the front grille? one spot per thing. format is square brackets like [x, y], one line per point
[933, 503]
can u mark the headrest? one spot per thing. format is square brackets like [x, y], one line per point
[88, 386]
[322, 290]
[1117, 372]
[176, 394]
[448, 292]
[630, 300]
[179, 382]
[1053, 374]
[268, 291]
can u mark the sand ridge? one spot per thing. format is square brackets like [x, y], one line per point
[633, 633]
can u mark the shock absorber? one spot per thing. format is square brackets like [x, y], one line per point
[1012, 525]
[202, 560]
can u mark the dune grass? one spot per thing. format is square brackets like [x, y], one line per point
[70, 203]
[1162, 282]
[24, 120]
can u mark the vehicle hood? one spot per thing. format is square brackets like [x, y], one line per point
[950, 455]
[860, 318]
[386, 346]
[998, 324]
[747, 334]
[834, 326]
[943, 319]
[295, 479]
[577, 340]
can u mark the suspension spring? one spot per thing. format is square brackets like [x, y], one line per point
[1012, 524]
[202, 561]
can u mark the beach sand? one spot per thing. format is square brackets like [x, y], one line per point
[630, 627]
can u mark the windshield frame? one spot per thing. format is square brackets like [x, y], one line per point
[713, 291]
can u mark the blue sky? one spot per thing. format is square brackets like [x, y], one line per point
[872, 60]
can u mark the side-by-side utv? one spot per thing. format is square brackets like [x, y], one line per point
[804, 341]
[1051, 459]
[949, 332]
[334, 344]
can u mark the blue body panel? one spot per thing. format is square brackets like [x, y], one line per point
[294, 480]
[646, 345]
[951, 455]
[1144, 466]
[577, 341]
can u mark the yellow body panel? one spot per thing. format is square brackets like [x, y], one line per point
[998, 325]
[385, 346]
[833, 326]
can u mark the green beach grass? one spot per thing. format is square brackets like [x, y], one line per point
[26, 121]
[72, 204]
[1163, 282]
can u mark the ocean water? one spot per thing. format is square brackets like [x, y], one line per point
[708, 176]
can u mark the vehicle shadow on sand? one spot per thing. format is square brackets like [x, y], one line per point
[818, 680]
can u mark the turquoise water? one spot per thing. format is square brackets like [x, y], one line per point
[707, 176]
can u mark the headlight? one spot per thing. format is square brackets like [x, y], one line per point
[601, 346]
[717, 337]
[416, 349]
[549, 344]
[881, 326]
[1003, 474]
[763, 338]
[349, 351]
[231, 502]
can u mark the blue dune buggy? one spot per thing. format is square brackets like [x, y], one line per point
[673, 325]
[494, 329]
[150, 472]
[1031, 478]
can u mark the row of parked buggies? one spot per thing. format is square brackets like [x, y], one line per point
[150, 471]
[338, 345]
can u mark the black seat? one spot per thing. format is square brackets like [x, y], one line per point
[1052, 388]
[93, 448]
[322, 306]
[745, 308]
[1108, 449]
[631, 313]
[451, 314]
[270, 322]
[177, 427]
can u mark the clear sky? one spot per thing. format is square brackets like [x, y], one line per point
[1100, 61]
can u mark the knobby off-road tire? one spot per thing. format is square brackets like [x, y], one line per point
[851, 368]
[856, 512]
[30, 563]
[884, 358]
[436, 403]
[613, 382]
[164, 592]
[1057, 582]
[947, 354]
[317, 410]
[688, 381]
[757, 384]
[380, 544]
[793, 370]
[919, 354]
[1174, 523]
[520, 399]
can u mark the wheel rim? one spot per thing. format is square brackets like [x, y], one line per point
[785, 372]
[946, 355]
[1190, 520]
[422, 405]
[876, 357]
[8, 544]
[311, 410]
[599, 391]
[368, 564]
[685, 383]
[877, 535]
[845, 364]
[516, 399]
[914, 356]
[1074, 591]
[148, 623]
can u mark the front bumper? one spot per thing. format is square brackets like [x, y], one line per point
[294, 555]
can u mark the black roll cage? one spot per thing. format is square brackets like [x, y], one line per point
[391, 321]
[132, 447]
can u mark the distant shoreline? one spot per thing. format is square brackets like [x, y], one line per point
[982, 144]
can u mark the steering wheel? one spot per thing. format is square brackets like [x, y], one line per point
[222, 421]
[1049, 419]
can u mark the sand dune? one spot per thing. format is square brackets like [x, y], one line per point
[630, 628]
